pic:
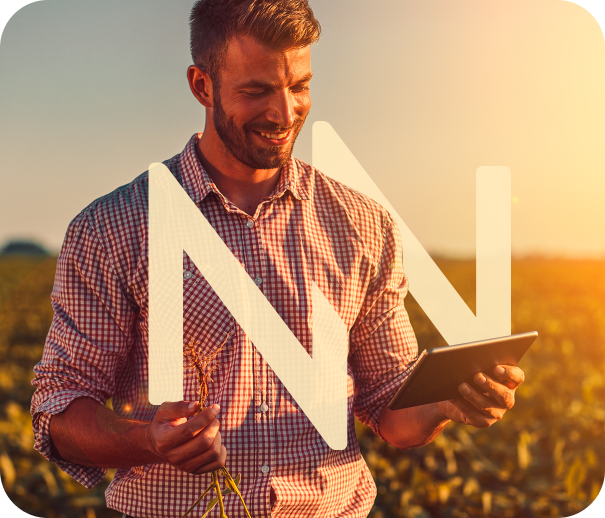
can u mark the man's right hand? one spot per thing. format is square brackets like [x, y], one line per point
[190, 442]
[91, 434]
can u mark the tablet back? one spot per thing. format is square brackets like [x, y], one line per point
[438, 372]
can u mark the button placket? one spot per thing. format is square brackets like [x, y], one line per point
[253, 252]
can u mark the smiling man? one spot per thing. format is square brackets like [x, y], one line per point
[289, 226]
[267, 92]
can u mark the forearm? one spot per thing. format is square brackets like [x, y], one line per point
[412, 427]
[91, 434]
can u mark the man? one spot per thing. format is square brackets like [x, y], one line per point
[288, 225]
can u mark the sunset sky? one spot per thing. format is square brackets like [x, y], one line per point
[422, 91]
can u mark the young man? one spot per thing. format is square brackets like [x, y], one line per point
[289, 226]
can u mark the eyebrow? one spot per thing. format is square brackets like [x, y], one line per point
[259, 84]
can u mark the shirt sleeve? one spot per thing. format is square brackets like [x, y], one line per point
[382, 341]
[88, 340]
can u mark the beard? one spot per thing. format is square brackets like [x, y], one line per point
[240, 145]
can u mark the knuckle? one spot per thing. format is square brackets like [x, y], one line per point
[213, 456]
[208, 421]
[188, 433]
[492, 413]
[178, 460]
[205, 442]
[509, 400]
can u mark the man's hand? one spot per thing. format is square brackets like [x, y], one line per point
[192, 445]
[482, 409]
[416, 426]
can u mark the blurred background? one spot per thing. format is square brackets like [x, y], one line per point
[423, 92]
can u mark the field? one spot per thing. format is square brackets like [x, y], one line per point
[545, 458]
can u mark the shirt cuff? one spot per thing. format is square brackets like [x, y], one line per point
[380, 399]
[85, 475]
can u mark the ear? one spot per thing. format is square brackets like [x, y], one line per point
[200, 84]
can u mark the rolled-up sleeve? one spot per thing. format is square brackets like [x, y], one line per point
[382, 341]
[88, 340]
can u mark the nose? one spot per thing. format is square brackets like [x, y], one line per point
[281, 110]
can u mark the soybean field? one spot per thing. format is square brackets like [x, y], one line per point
[546, 458]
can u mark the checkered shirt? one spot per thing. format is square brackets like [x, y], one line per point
[311, 228]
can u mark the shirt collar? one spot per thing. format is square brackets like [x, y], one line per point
[198, 184]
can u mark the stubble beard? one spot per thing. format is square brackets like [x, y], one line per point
[239, 144]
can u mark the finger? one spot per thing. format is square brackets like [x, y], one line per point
[472, 415]
[188, 430]
[509, 375]
[194, 437]
[176, 411]
[212, 466]
[485, 404]
[199, 461]
[504, 396]
[193, 446]
[454, 413]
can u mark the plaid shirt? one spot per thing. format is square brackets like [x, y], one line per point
[309, 228]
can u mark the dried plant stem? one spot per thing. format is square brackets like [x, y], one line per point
[231, 484]
[217, 488]
[204, 367]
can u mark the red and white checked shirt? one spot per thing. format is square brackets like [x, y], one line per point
[310, 228]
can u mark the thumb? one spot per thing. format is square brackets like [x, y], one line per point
[170, 411]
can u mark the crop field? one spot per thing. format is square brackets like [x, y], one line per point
[546, 458]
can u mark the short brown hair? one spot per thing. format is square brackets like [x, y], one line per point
[279, 24]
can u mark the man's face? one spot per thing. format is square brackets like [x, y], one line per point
[262, 102]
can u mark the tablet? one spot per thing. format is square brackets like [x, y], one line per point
[437, 373]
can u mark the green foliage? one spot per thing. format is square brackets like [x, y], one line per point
[545, 458]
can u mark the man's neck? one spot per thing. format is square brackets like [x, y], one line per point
[243, 186]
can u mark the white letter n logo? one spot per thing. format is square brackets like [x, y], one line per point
[318, 384]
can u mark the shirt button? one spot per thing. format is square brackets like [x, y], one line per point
[265, 469]
[187, 274]
[258, 281]
[263, 407]
[250, 223]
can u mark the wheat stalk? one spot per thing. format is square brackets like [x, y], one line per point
[204, 366]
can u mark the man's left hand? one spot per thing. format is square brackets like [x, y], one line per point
[483, 409]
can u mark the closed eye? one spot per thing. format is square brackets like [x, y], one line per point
[254, 93]
[300, 88]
